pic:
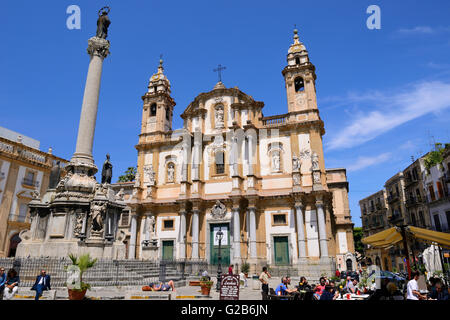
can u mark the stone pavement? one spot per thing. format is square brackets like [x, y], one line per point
[136, 293]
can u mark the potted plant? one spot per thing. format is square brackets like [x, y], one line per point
[205, 285]
[245, 268]
[83, 262]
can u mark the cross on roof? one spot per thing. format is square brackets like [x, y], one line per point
[219, 71]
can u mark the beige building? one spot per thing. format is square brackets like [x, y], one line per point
[259, 180]
[24, 174]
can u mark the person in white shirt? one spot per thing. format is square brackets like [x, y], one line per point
[413, 292]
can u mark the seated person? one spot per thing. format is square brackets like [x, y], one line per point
[282, 290]
[162, 286]
[439, 293]
[392, 292]
[303, 284]
[318, 290]
[350, 287]
[328, 293]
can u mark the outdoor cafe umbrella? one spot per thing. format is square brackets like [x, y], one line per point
[394, 235]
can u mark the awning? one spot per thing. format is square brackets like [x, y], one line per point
[391, 236]
[383, 239]
[430, 236]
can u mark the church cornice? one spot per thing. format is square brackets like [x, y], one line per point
[308, 67]
[234, 92]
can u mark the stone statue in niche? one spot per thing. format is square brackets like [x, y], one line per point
[97, 212]
[276, 161]
[78, 224]
[152, 226]
[137, 180]
[150, 174]
[316, 177]
[55, 175]
[219, 210]
[296, 164]
[315, 161]
[219, 117]
[296, 178]
[170, 172]
[107, 170]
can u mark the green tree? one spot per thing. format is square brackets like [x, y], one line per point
[129, 175]
[357, 236]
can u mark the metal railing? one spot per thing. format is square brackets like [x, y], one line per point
[105, 272]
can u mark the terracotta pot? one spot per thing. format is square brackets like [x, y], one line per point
[205, 290]
[76, 294]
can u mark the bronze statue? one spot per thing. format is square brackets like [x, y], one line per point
[103, 23]
[55, 175]
[107, 170]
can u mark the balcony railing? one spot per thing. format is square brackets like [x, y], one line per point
[392, 198]
[23, 152]
[30, 182]
[274, 120]
[372, 209]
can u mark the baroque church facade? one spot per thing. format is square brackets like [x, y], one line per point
[261, 181]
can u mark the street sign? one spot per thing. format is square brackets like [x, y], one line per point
[229, 287]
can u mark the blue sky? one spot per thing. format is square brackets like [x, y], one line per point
[384, 94]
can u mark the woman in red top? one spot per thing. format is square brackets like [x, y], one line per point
[230, 269]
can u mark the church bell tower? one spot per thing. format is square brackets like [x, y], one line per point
[300, 76]
[158, 104]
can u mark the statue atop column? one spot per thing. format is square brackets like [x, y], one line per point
[103, 23]
[107, 171]
[55, 175]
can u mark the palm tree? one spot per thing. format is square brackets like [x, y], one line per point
[83, 262]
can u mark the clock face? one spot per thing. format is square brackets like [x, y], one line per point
[300, 98]
[155, 77]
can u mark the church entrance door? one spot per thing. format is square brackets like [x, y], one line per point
[281, 248]
[225, 244]
[167, 252]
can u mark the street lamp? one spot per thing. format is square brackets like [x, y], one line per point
[399, 223]
[219, 237]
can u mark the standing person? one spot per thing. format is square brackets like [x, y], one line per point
[42, 283]
[11, 285]
[338, 274]
[264, 278]
[413, 288]
[230, 269]
[2, 282]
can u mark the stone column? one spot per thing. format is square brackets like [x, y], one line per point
[182, 235]
[98, 49]
[252, 218]
[132, 246]
[322, 229]
[236, 235]
[300, 231]
[234, 157]
[195, 234]
[250, 154]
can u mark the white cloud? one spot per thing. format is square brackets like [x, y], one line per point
[364, 162]
[417, 30]
[390, 111]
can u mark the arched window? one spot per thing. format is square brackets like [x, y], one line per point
[153, 110]
[378, 261]
[297, 60]
[220, 162]
[15, 240]
[349, 264]
[422, 220]
[299, 84]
